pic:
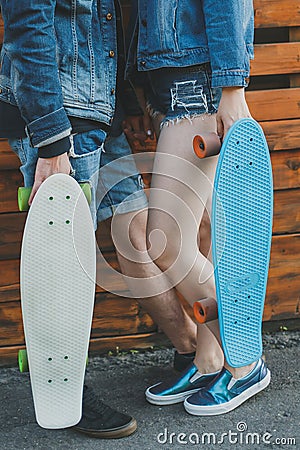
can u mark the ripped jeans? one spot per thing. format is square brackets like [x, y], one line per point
[181, 92]
[121, 187]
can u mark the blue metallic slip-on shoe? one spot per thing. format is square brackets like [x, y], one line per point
[226, 393]
[179, 388]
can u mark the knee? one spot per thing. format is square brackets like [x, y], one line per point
[138, 232]
[138, 239]
[161, 247]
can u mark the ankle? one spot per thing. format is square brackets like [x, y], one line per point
[186, 348]
[186, 351]
[209, 365]
[240, 372]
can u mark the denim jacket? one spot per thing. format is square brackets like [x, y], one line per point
[59, 58]
[177, 33]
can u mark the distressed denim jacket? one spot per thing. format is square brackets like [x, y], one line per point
[180, 33]
[59, 58]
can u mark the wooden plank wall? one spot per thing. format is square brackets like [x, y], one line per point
[274, 100]
[273, 96]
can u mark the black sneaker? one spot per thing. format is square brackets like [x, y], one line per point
[101, 421]
[183, 360]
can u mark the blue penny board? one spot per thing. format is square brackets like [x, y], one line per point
[241, 239]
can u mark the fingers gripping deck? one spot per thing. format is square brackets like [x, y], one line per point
[241, 239]
[57, 294]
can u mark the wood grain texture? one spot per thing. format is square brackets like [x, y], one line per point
[113, 316]
[285, 166]
[282, 134]
[276, 13]
[11, 230]
[286, 212]
[275, 104]
[8, 159]
[98, 346]
[10, 180]
[284, 271]
[9, 280]
[272, 59]
[283, 291]
[294, 36]
[286, 169]
[1, 29]
[286, 220]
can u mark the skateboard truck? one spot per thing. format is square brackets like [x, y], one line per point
[205, 310]
[207, 144]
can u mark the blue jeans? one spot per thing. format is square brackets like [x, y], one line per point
[89, 155]
[120, 187]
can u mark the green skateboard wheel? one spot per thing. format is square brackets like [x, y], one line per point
[86, 189]
[23, 361]
[23, 197]
[24, 194]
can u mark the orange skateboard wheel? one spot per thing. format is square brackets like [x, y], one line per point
[208, 144]
[205, 310]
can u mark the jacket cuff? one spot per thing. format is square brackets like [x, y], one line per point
[55, 149]
[49, 128]
[228, 78]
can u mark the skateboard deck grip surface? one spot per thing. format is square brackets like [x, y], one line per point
[57, 280]
[242, 210]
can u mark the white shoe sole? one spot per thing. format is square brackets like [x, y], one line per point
[232, 404]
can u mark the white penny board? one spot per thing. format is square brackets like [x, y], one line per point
[58, 265]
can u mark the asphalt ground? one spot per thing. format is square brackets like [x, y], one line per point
[269, 420]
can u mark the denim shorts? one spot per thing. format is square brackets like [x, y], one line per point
[90, 153]
[181, 92]
[120, 185]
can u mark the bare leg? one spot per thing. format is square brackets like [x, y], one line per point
[176, 209]
[204, 232]
[129, 234]
[178, 196]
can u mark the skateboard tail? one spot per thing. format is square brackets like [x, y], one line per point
[241, 239]
[62, 420]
